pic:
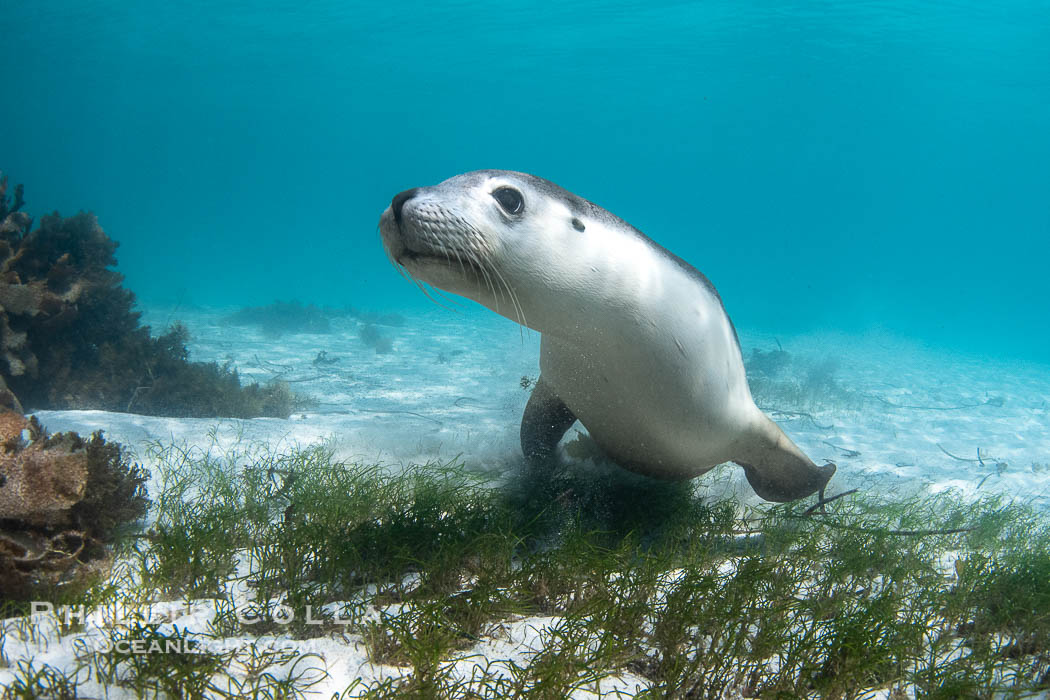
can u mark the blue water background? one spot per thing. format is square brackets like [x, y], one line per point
[829, 165]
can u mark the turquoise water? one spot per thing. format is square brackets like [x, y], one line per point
[830, 166]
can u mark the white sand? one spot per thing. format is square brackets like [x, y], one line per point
[451, 387]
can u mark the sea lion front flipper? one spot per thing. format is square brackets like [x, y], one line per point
[777, 469]
[543, 424]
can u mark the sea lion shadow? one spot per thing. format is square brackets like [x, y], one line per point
[596, 495]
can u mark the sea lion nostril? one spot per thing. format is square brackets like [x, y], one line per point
[661, 385]
[398, 202]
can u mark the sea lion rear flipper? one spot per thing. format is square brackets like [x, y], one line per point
[543, 424]
[778, 470]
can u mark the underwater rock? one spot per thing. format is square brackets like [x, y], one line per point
[282, 317]
[781, 381]
[371, 337]
[63, 499]
[767, 362]
[70, 338]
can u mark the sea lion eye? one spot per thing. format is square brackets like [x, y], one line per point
[510, 199]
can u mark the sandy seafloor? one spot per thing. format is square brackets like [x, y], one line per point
[451, 388]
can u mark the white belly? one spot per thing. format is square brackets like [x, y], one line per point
[668, 393]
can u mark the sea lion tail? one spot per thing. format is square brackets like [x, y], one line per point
[777, 469]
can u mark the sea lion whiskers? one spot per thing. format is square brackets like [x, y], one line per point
[654, 372]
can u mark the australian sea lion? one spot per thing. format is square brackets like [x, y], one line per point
[636, 343]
